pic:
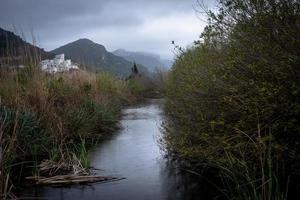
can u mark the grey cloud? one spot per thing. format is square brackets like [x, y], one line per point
[44, 12]
[58, 21]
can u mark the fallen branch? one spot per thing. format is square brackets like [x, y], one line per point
[70, 179]
[62, 173]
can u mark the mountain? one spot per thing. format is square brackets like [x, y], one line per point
[15, 51]
[151, 61]
[96, 58]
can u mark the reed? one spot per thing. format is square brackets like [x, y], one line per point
[57, 116]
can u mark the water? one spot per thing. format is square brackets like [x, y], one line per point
[132, 153]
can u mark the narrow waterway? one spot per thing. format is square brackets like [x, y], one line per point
[132, 153]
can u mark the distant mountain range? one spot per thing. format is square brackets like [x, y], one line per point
[96, 58]
[88, 54]
[15, 51]
[149, 60]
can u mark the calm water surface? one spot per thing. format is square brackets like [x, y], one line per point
[132, 153]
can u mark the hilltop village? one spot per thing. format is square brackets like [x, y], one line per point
[58, 64]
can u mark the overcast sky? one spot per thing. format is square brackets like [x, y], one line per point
[135, 25]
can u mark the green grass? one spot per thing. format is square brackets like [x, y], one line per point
[56, 117]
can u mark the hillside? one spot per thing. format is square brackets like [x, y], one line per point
[95, 57]
[149, 60]
[15, 51]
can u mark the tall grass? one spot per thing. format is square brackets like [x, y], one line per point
[253, 177]
[55, 117]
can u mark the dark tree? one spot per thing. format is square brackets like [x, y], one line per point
[134, 69]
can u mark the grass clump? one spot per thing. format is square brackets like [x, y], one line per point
[24, 133]
[55, 117]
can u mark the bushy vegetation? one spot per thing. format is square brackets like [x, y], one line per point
[232, 99]
[147, 84]
[55, 117]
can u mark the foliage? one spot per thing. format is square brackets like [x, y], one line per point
[134, 69]
[135, 86]
[240, 85]
[55, 117]
[90, 120]
[23, 128]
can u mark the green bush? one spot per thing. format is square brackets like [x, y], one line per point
[135, 87]
[237, 87]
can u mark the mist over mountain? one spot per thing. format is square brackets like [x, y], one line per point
[96, 58]
[167, 63]
[88, 54]
[149, 60]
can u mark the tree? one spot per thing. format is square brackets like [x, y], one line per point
[134, 69]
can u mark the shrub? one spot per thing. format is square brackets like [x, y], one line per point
[237, 87]
[135, 87]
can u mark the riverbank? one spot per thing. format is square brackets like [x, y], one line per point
[55, 118]
[133, 152]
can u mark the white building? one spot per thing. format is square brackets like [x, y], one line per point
[58, 64]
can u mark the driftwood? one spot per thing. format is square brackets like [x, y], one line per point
[70, 179]
[62, 173]
[52, 168]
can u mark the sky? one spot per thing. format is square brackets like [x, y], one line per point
[134, 25]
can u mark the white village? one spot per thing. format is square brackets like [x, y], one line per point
[57, 65]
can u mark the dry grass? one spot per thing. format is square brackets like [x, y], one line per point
[62, 173]
[49, 116]
[71, 179]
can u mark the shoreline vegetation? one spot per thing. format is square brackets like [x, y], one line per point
[233, 101]
[49, 121]
[232, 106]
